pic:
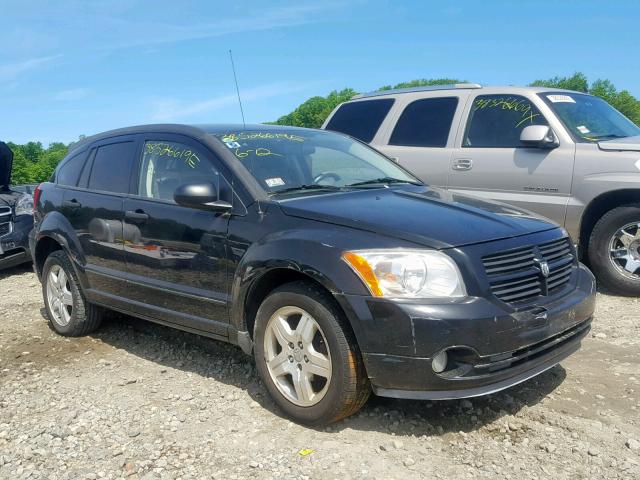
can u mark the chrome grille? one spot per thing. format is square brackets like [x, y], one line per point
[5, 228]
[517, 275]
[4, 212]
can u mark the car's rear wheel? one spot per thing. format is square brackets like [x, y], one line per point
[307, 356]
[68, 311]
[614, 250]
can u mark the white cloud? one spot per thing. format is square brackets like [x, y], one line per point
[9, 71]
[170, 109]
[73, 94]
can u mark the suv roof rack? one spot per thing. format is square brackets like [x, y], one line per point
[419, 89]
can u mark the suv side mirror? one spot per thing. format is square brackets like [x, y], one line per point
[538, 136]
[203, 196]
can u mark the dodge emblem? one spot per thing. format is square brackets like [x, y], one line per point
[544, 268]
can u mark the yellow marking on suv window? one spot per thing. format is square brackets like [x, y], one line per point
[508, 103]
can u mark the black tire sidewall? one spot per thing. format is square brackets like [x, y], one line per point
[599, 259]
[60, 259]
[325, 410]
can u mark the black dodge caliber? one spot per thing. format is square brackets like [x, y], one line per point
[338, 270]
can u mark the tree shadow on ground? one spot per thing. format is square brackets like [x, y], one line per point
[228, 364]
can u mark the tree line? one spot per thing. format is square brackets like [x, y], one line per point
[33, 163]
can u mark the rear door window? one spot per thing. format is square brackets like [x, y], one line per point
[111, 170]
[361, 119]
[69, 171]
[425, 123]
[496, 121]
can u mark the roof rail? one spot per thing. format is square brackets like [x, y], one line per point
[419, 89]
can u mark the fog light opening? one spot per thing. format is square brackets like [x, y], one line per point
[439, 362]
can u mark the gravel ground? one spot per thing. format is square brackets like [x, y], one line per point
[138, 400]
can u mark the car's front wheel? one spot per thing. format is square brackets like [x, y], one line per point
[614, 250]
[307, 357]
[68, 311]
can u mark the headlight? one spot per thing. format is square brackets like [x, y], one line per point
[24, 205]
[407, 273]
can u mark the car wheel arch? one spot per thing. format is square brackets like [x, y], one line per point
[44, 247]
[598, 207]
[270, 280]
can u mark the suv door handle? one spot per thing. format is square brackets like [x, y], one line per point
[462, 164]
[71, 203]
[137, 215]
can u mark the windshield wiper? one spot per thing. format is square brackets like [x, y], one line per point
[312, 186]
[604, 137]
[385, 180]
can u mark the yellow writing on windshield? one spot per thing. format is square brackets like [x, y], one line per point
[167, 150]
[519, 105]
[259, 152]
[234, 137]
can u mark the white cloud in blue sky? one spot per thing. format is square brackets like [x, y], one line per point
[76, 67]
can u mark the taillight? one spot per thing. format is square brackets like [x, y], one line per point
[36, 198]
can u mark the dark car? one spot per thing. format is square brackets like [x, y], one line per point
[340, 271]
[16, 216]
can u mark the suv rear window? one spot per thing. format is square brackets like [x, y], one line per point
[425, 123]
[360, 119]
[111, 171]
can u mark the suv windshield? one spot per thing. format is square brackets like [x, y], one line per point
[589, 118]
[296, 161]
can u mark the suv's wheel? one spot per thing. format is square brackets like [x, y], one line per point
[307, 357]
[68, 311]
[614, 249]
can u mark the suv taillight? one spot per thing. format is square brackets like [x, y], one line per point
[36, 198]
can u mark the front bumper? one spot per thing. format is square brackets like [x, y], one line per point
[489, 348]
[14, 246]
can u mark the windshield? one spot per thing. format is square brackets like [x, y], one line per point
[589, 118]
[294, 161]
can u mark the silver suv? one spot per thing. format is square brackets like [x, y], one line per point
[565, 155]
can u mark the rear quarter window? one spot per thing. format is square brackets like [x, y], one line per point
[360, 119]
[69, 171]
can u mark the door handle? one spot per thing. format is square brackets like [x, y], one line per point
[461, 164]
[71, 203]
[137, 215]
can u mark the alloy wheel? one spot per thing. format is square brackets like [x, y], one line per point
[297, 356]
[59, 297]
[624, 250]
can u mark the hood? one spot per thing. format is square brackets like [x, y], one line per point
[6, 164]
[425, 215]
[629, 144]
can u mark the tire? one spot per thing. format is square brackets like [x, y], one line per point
[347, 389]
[81, 318]
[612, 273]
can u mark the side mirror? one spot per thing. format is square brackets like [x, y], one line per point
[538, 136]
[203, 196]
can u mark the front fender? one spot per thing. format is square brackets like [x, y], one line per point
[591, 188]
[301, 251]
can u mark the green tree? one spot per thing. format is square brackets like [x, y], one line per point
[314, 111]
[578, 82]
[621, 100]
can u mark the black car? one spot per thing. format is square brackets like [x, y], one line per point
[340, 271]
[16, 216]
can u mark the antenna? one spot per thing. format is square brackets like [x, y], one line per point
[235, 78]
